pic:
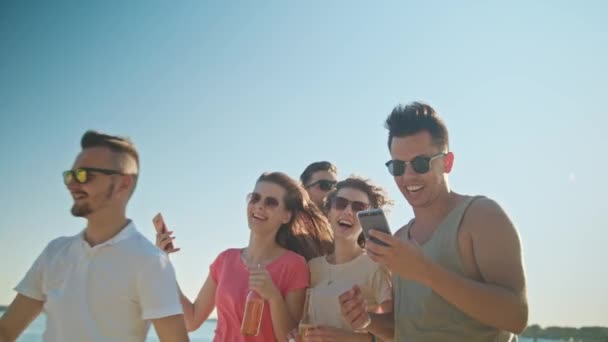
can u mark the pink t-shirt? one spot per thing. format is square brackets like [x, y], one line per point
[289, 272]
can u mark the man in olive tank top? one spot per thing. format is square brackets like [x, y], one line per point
[457, 266]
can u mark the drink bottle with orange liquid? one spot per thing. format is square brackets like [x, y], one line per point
[306, 323]
[252, 317]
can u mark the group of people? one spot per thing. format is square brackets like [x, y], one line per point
[454, 272]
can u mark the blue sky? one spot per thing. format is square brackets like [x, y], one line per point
[215, 93]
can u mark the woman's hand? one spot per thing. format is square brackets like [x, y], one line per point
[261, 282]
[163, 240]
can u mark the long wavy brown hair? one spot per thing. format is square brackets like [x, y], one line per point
[308, 233]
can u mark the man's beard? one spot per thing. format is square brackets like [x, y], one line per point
[84, 210]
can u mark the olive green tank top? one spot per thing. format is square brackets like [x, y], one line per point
[421, 315]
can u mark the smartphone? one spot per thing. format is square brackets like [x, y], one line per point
[373, 219]
[159, 225]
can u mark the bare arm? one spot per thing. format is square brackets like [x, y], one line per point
[286, 313]
[382, 322]
[196, 313]
[171, 329]
[499, 299]
[22, 311]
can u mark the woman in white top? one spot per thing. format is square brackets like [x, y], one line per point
[347, 265]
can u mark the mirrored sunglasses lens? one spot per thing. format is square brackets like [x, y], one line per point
[81, 175]
[67, 177]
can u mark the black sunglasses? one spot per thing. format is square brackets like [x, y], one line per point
[269, 202]
[340, 203]
[420, 164]
[324, 184]
[82, 174]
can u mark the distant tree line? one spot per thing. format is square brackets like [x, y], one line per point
[585, 334]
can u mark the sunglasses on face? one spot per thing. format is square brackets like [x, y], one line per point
[83, 174]
[269, 202]
[324, 184]
[340, 203]
[420, 164]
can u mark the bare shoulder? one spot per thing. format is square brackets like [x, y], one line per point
[494, 245]
[486, 217]
[400, 233]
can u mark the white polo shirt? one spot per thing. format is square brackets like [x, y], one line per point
[102, 293]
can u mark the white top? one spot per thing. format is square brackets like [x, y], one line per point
[329, 281]
[102, 293]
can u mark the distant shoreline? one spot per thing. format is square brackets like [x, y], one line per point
[4, 307]
[558, 333]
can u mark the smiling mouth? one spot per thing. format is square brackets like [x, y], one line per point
[345, 224]
[414, 188]
[258, 217]
[79, 197]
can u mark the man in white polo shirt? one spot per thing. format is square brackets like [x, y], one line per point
[108, 282]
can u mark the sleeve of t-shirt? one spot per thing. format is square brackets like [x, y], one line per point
[381, 284]
[298, 276]
[31, 285]
[157, 289]
[215, 270]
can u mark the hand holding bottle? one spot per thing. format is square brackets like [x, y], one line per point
[261, 282]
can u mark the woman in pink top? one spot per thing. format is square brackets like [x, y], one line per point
[286, 229]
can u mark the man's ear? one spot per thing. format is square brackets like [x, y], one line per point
[448, 162]
[126, 183]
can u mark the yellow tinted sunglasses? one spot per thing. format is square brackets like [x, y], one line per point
[81, 175]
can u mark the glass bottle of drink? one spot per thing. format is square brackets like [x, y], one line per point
[306, 323]
[252, 317]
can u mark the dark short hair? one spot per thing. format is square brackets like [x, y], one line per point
[116, 144]
[377, 196]
[314, 167]
[414, 118]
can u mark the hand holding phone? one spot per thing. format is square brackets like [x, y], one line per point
[161, 230]
[373, 219]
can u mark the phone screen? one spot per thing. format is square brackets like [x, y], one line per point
[159, 225]
[373, 219]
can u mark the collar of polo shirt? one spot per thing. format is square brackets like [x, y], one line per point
[124, 233]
